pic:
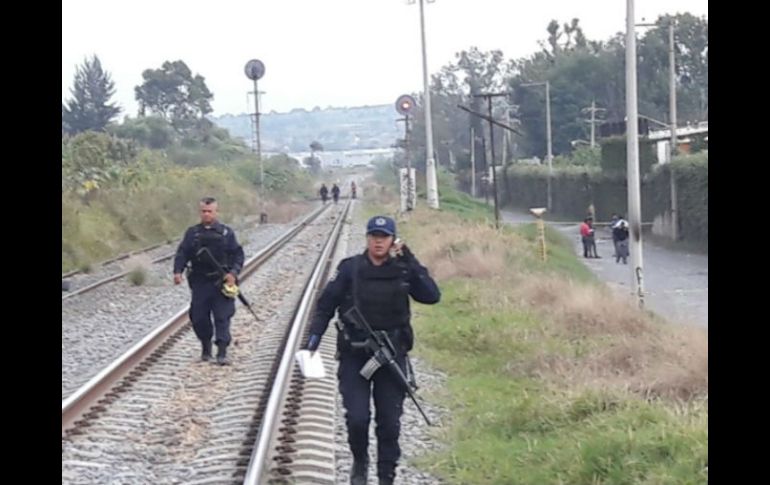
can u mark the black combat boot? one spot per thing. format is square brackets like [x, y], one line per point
[386, 473]
[206, 352]
[222, 355]
[359, 472]
[387, 479]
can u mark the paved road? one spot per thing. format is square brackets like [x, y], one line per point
[676, 282]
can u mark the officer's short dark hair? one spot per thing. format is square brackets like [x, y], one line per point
[208, 200]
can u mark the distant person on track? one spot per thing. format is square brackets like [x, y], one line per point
[324, 193]
[202, 242]
[335, 193]
[379, 283]
[353, 189]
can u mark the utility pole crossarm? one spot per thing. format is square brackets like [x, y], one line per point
[491, 120]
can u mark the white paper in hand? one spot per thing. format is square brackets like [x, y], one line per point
[310, 364]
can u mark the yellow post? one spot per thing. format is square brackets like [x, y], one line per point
[538, 212]
[541, 228]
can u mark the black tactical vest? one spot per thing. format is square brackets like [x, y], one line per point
[382, 293]
[212, 238]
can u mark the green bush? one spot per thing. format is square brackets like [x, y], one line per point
[575, 189]
[613, 158]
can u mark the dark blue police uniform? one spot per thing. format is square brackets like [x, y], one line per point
[382, 295]
[206, 282]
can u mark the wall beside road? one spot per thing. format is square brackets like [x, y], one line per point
[576, 189]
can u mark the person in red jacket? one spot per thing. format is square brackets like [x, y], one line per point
[588, 238]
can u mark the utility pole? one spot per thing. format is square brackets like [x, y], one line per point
[430, 162]
[674, 143]
[672, 125]
[488, 97]
[473, 162]
[632, 157]
[593, 110]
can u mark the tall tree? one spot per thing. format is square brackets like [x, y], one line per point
[473, 72]
[173, 93]
[580, 71]
[691, 51]
[89, 108]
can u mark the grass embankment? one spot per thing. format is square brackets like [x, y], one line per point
[551, 378]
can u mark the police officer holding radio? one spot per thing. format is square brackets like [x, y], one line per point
[216, 259]
[377, 284]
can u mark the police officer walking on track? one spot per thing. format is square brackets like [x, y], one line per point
[335, 193]
[378, 284]
[211, 248]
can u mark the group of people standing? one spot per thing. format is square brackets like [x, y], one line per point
[619, 227]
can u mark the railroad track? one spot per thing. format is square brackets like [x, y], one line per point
[156, 415]
[102, 324]
[78, 283]
[120, 274]
[121, 257]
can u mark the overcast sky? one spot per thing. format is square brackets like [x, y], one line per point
[317, 52]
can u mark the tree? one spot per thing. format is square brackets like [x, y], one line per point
[174, 94]
[574, 39]
[91, 160]
[89, 108]
[150, 131]
[583, 71]
[580, 71]
[474, 72]
[691, 50]
[576, 79]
